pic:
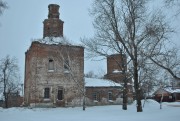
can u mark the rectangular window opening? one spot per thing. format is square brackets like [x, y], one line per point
[60, 94]
[46, 93]
[66, 65]
[51, 65]
[96, 96]
[110, 96]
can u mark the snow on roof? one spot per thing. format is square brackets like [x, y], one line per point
[57, 40]
[93, 82]
[117, 71]
[169, 89]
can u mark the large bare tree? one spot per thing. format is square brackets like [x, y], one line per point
[9, 75]
[126, 25]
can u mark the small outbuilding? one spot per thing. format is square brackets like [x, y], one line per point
[103, 92]
[167, 94]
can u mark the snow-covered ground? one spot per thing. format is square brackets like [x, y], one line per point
[151, 112]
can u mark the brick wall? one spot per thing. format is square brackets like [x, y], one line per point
[38, 76]
[114, 71]
[103, 96]
[114, 62]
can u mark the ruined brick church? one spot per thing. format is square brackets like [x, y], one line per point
[48, 80]
[54, 71]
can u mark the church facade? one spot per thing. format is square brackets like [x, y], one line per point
[53, 72]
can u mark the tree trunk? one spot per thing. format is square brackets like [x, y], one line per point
[161, 101]
[84, 96]
[144, 101]
[5, 84]
[84, 104]
[6, 100]
[138, 98]
[136, 85]
[124, 106]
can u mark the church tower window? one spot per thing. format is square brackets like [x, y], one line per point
[51, 65]
[66, 65]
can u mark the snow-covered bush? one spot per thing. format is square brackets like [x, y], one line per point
[77, 102]
[104, 100]
[119, 101]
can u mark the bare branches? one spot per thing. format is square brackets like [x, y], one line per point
[9, 76]
[168, 60]
[3, 5]
[70, 60]
[127, 25]
[173, 4]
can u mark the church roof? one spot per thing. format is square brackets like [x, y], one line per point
[166, 90]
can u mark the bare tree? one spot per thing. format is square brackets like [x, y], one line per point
[148, 74]
[3, 5]
[168, 59]
[9, 77]
[173, 5]
[81, 86]
[72, 64]
[148, 77]
[91, 74]
[127, 25]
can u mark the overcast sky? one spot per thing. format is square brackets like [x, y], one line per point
[22, 22]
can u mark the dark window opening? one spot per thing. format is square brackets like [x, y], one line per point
[48, 29]
[96, 96]
[46, 93]
[60, 95]
[66, 65]
[110, 96]
[51, 64]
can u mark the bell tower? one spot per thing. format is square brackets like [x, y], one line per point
[53, 26]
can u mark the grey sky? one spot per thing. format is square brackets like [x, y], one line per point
[22, 22]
